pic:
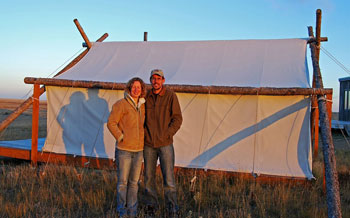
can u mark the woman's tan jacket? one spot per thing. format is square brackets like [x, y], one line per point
[126, 123]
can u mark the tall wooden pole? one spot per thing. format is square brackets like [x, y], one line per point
[314, 108]
[35, 124]
[27, 103]
[332, 184]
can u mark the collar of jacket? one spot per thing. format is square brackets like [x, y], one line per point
[129, 99]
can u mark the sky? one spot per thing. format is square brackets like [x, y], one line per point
[39, 37]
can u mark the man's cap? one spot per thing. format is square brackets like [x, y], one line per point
[158, 72]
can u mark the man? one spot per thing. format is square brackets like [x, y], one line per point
[163, 120]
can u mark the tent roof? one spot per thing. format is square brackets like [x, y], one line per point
[248, 63]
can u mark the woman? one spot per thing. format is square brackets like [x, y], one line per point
[126, 125]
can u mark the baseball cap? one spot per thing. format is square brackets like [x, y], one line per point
[158, 72]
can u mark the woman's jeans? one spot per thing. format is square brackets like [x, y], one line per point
[128, 172]
[167, 159]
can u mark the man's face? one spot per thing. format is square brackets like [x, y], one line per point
[157, 82]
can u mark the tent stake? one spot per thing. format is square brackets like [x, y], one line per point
[332, 184]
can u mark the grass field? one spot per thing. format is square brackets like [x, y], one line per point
[67, 191]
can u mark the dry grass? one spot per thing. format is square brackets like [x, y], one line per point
[66, 191]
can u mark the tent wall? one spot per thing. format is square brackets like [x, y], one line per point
[241, 133]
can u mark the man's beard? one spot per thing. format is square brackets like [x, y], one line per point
[159, 87]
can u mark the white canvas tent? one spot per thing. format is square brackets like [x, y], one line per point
[258, 134]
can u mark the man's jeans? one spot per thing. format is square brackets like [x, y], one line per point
[166, 157]
[128, 172]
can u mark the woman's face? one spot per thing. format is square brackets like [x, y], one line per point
[136, 89]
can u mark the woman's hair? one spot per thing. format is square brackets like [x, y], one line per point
[131, 82]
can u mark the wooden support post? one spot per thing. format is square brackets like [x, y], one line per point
[86, 39]
[318, 33]
[35, 124]
[332, 183]
[316, 131]
[329, 108]
[313, 107]
[145, 36]
[26, 104]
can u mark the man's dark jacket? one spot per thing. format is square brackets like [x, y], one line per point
[163, 118]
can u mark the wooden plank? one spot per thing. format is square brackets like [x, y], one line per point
[81, 161]
[312, 40]
[316, 133]
[35, 124]
[15, 153]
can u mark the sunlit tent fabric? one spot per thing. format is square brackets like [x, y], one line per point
[242, 133]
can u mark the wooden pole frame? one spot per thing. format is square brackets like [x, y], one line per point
[331, 175]
[228, 90]
[86, 39]
[35, 124]
[316, 130]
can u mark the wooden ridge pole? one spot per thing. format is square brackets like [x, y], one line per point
[27, 103]
[332, 184]
[229, 90]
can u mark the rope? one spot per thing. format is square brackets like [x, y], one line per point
[194, 179]
[34, 98]
[255, 135]
[184, 108]
[65, 63]
[321, 98]
[335, 60]
[50, 125]
[342, 132]
[221, 121]
[101, 122]
[205, 119]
